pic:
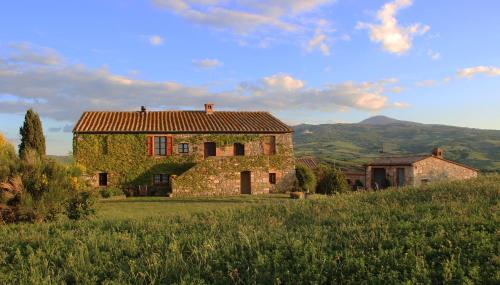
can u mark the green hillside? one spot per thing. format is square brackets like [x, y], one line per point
[351, 145]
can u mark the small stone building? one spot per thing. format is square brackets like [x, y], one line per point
[415, 170]
[186, 153]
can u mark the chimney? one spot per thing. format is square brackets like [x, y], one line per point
[143, 109]
[437, 152]
[209, 108]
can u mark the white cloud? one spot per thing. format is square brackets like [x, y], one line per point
[472, 71]
[283, 82]
[207, 63]
[434, 55]
[63, 91]
[394, 38]
[156, 40]
[258, 23]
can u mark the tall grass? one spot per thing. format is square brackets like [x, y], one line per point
[443, 233]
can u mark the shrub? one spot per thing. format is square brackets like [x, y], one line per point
[110, 192]
[81, 205]
[306, 180]
[332, 181]
[9, 163]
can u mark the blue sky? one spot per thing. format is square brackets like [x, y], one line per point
[315, 61]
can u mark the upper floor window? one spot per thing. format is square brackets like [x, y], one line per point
[239, 149]
[183, 148]
[159, 145]
[269, 145]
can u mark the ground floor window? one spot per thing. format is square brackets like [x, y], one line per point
[160, 179]
[103, 179]
[272, 178]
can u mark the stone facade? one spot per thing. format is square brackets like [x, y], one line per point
[426, 170]
[435, 169]
[268, 158]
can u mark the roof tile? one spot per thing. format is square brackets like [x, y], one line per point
[180, 121]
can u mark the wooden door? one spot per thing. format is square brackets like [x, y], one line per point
[379, 178]
[401, 177]
[246, 183]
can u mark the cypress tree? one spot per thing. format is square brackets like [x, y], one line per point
[32, 134]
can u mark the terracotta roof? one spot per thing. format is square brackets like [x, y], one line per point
[399, 160]
[409, 160]
[307, 161]
[179, 122]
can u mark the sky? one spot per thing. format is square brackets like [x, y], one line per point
[305, 61]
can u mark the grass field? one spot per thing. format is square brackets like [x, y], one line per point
[444, 233]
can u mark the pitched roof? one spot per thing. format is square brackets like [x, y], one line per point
[307, 161]
[399, 160]
[179, 122]
[409, 160]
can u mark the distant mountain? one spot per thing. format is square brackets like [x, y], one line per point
[351, 145]
[384, 120]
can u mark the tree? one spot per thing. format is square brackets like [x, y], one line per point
[31, 135]
[306, 180]
[8, 159]
[332, 181]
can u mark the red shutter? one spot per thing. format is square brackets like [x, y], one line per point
[149, 146]
[169, 145]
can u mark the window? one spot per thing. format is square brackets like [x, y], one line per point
[160, 179]
[269, 145]
[272, 178]
[183, 148]
[239, 149]
[160, 144]
[103, 179]
[210, 149]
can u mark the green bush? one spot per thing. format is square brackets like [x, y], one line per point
[81, 205]
[332, 181]
[9, 163]
[110, 192]
[306, 180]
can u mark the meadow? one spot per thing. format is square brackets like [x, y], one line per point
[441, 233]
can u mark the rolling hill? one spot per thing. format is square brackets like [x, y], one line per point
[351, 145]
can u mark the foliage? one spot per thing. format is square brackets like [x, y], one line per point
[441, 234]
[352, 145]
[32, 135]
[358, 183]
[332, 181]
[108, 192]
[81, 205]
[306, 179]
[9, 162]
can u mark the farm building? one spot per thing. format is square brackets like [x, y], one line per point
[186, 153]
[415, 170]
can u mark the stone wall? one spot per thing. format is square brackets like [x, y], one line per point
[391, 174]
[434, 169]
[428, 170]
[221, 175]
[124, 158]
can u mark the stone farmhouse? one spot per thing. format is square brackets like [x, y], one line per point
[186, 153]
[415, 170]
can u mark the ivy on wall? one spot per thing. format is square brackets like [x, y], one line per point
[124, 156]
